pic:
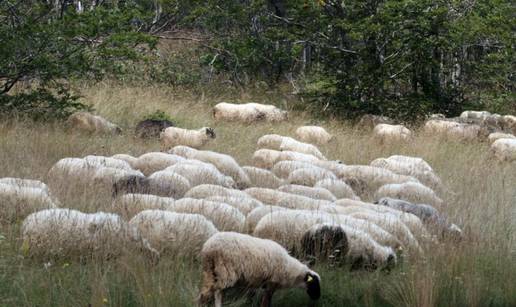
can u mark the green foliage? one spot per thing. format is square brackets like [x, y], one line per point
[159, 115]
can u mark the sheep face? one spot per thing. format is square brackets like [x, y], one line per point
[210, 132]
[312, 284]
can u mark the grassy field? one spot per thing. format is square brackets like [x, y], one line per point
[480, 271]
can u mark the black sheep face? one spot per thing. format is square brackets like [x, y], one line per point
[210, 132]
[313, 285]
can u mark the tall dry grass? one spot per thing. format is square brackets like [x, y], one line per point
[480, 271]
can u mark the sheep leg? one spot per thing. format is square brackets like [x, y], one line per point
[267, 298]
[218, 298]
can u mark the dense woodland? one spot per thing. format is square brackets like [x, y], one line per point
[405, 59]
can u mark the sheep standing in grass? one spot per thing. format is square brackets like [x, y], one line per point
[498, 135]
[285, 143]
[231, 258]
[337, 187]
[392, 133]
[173, 136]
[129, 205]
[66, 232]
[170, 184]
[17, 201]
[309, 176]
[266, 158]
[315, 193]
[173, 233]
[256, 215]
[197, 173]
[369, 121]
[208, 190]
[151, 162]
[313, 135]
[132, 161]
[283, 169]
[410, 191]
[243, 204]
[504, 149]
[475, 115]
[262, 178]
[83, 121]
[272, 113]
[102, 161]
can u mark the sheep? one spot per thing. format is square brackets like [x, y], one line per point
[283, 169]
[498, 135]
[315, 193]
[369, 121]
[223, 216]
[410, 166]
[272, 113]
[287, 227]
[285, 143]
[262, 178]
[25, 183]
[231, 258]
[266, 158]
[83, 121]
[324, 241]
[256, 215]
[151, 162]
[18, 201]
[128, 205]
[475, 115]
[293, 201]
[237, 112]
[102, 161]
[173, 136]
[313, 134]
[392, 133]
[243, 204]
[337, 187]
[66, 232]
[361, 249]
[509, 123]
[266, 196]
[393, 225]
[208, 190]
[197, 173]
[309, 176]
[224, 163]
[452, 130]
[504, 149]
[410, 191]
[132, 161]
[270, 141]
[115, 181]
[169, 184]
[70, 174]
[151, 128]
[171, 233]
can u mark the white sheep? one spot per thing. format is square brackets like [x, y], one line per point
[315, 193]
[283, 169]
[183, 151]
[231, 258]
[102, 161]
[293, 201]
[69, 175]
[208, 190]
[337, 187]
[309, 176]
[509, 123]
[197, 173]
[151, 162]
[170, 184]
[504, 149]
[267, 196]
[410, 166]
[66, 232]
[270, 141]
[285, 143]
[313, 134]
[272, 113]
[452, 130]
[392, 133]
[410, 191]
[26, 183]
[127, 158]
[243, 204]
[498, 135]
[129, 205]
[475, 115]
[180, 234]
[223, 216]
[17, 201]
[173, 136]
[256, 215]
[266, 158]
[237, 112]
[262, 178]
[362, 250]
[83, 121]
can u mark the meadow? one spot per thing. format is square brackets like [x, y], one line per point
[481, 199]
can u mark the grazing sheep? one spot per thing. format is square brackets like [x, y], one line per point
[309, 176]
[102, 161]
[410, 166]
[266, 158]
[173, 136]
[256, 215]
[223, 216]
[452, 130]
[172, 233]
[475, 115]
[285, 143]
[325, 241]
[337, 187]
[283, 169]
[266, 196]
[18, 201]
[111, 180]
[165, 183]
[313, 135]
[231, 258]
[392, 133]
[498, 135]
[243, 204]
[132, 161]
[287, 227]
[270, 141]
[262, 178]
[197, 173]
[272, 113]
[315, 193]
[152, 128]
[66, 232]
[208, 190]
[69, 175]
[129, 205]
[224, 163]
[369, 121]
[293, 201]
[237, 112]
[151, 162]
[504, 149]
[360, 250]
[410, 191]
[83, 121]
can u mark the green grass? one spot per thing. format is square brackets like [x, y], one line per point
[480, 271]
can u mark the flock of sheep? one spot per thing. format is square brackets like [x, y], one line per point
[245, 223]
